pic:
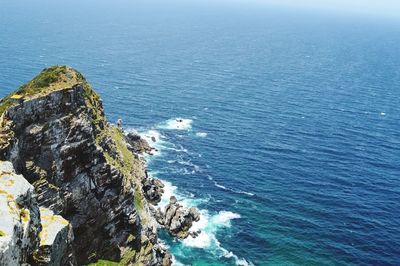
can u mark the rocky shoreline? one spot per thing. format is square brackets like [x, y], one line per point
[74, 189]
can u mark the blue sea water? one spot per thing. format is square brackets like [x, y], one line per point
[290, 144]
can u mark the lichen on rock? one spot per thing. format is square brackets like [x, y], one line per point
[20, 218]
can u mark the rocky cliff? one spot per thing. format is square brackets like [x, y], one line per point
[79, 192]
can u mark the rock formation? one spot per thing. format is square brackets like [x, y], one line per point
[137, 144]
[177, 219]
[91, 196]
[29, 233]
[153, 189]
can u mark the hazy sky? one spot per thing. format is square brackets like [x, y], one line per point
[378, 7]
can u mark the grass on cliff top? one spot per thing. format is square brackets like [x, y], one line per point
[52, 79]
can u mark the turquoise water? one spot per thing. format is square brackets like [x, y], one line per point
[290, 145]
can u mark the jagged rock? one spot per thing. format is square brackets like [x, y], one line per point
[29, 234]
[19, 222]
[55, 240]
[137, 144]
[177, 219]
[58, 138]
[153, 189]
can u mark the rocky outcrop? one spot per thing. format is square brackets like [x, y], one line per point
[137, 144]
[80, 166]
[20, 218]
[177, 219]
[91, 197]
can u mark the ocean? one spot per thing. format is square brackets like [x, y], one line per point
[290, 136]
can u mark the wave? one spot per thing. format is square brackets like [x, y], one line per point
[177, 124]
[209, 224]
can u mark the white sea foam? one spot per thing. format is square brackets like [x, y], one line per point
[154, 138]
[209, 224]
[201, 134]
[177, 124]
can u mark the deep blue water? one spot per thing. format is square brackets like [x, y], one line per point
[291, 143]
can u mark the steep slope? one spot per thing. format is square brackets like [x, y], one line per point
[54, 131]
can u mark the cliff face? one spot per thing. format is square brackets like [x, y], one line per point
[54, 132]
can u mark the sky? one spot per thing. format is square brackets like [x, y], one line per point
[388, 8]
[385, 8]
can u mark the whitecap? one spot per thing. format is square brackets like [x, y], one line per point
[237, 191]
[201, 134]
[382, 113]
[177, 124]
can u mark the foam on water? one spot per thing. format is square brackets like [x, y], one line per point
[177, 124]
[209, 225]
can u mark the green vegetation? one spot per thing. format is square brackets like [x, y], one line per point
[124, 161]
[4, 105]
[49, 76]
[50, 79]
[2, 233]
[138, 200]
[104, 263]
[126, 259]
